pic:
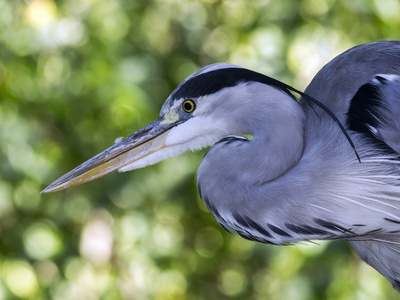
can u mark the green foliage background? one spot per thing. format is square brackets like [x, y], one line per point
[76, 74]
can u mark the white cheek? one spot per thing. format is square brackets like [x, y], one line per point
[197, 133]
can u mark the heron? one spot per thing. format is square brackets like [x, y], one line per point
[321, 165]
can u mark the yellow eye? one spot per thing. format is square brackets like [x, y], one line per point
[188, 106]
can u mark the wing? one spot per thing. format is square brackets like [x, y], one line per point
[338, 81]
[375, 110]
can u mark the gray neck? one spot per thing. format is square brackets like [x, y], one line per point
[235, 173]
[276, 122]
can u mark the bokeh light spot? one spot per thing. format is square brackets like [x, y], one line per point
[40, 12]
[388, 10]
[166, 238]
[133, 226]
[97, 240]
[21, 279]
[312, 47]
[232, 282]
[208, 242]
[171, 285]
[41, 241]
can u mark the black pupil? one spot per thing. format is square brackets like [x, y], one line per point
[188, 106]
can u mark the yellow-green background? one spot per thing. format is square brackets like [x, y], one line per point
[77, 74]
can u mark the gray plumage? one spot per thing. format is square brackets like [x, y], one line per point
[298, 179]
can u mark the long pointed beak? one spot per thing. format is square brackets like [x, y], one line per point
[135, 147]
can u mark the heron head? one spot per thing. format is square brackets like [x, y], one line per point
[204, 108]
